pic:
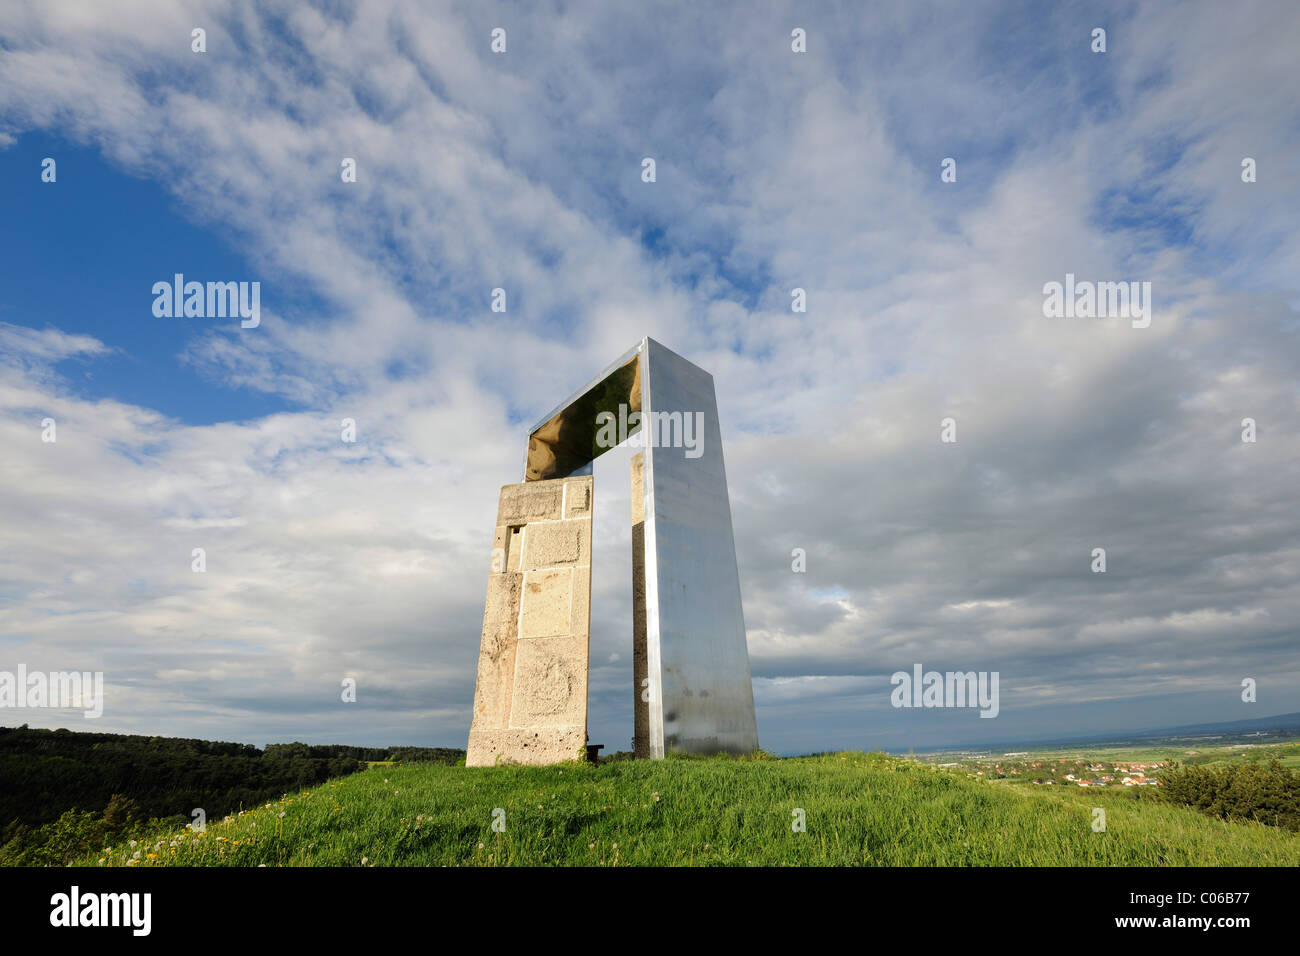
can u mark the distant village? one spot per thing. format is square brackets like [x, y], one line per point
[1064, 772]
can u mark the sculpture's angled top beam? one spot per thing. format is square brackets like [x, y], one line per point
[564, 442]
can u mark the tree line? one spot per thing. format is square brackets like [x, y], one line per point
[1265, 793]
[102, 785]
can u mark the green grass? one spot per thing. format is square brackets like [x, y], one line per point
[861, 809]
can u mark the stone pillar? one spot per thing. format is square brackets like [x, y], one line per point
[530, 702]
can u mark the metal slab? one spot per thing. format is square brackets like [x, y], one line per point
[695, 624]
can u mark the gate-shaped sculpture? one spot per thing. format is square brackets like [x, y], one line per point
[692, 685]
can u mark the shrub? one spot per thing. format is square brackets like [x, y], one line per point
[1263, 793]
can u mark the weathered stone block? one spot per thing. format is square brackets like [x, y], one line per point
[496, 663]
[529, 502]
[550, 683]
[556, 543]
[502, 605]
[577, 501]
[547, 603]
[551, 745]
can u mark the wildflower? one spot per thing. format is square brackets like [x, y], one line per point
[281, 813]
[365, 860]
[656, 796]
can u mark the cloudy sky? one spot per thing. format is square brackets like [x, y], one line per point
[775, 170]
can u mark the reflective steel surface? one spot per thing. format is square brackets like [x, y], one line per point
[695, 625]
[564, 443]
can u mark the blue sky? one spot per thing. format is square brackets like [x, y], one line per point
[76, 264]
[775, 170]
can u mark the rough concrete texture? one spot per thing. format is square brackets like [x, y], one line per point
[577, 502]
[550, 684]
[530, 703]
[530, 501]
[555, 544]
[513, 539]
[541, 746]
[547, 604]
[496, 660]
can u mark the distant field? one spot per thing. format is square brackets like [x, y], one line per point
[860, 809]
[1189, 753]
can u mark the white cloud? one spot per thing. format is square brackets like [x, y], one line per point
[328, 560]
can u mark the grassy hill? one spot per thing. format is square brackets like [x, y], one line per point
[859, 809]
[46, 772]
